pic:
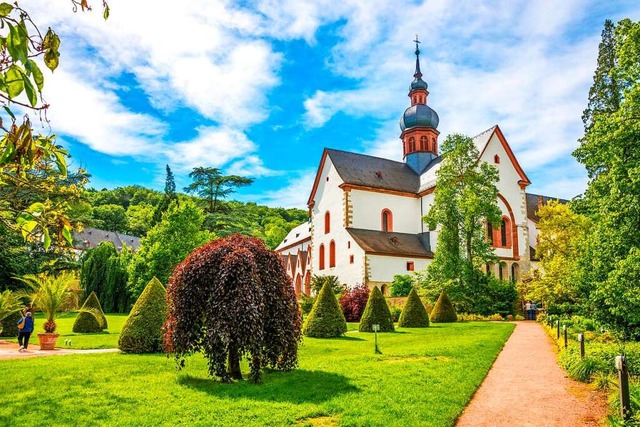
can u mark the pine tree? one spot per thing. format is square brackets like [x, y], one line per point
[443, 311]
[326, 319]
[169, 196]
[376, 313]
[413, 315]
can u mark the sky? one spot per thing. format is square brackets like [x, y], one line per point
[260, 88]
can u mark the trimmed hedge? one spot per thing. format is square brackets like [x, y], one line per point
[10, 325]
[443, 311]
[142, 332]
[413, 314]
[91, 318]
[325, 319]
[376, 312]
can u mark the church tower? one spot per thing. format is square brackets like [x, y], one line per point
[419, 124]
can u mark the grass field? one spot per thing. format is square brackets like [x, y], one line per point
[423, 377]
[104, 339]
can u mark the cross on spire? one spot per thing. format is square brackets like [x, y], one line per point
[418, 73]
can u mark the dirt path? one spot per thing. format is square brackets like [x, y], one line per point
[9, 350]
[526, 387]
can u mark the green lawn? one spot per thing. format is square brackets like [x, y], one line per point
[424, 377]
[105, 339]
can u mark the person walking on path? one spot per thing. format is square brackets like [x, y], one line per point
[527, 310]
[25, 332]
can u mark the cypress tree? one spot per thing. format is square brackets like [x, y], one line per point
[376, 313]
[413, 315]
[325, 319]
[142, 332]
[443, 311]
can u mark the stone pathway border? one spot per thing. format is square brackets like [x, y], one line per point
[9, 350]
[527, 387]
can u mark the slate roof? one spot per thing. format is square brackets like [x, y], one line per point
[381, 242]
[92, 237]
[533, 202]
[297, 234]
[375, 172]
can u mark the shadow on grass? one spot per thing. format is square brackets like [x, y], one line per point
[297, 386]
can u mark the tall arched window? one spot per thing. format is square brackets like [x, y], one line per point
[412, 144]
[514, 272]
[423, 143]
[332, 254]
[503, 234]
[327, 222]
[387, 220]
[321, 258]
[500, 271]
[490, 234]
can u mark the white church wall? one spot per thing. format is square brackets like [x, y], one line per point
[368, 207]
[533, 233]
[382, 268]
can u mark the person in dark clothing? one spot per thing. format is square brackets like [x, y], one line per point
[25, 332]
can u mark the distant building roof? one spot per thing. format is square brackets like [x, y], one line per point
[535, 201]
[297, 234]
[384, 243]
[92, 237]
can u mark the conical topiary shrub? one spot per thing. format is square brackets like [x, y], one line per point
[443, 311]
[142, 332]
[413, 315]
[91, 318]
[325, 319]
[376, 313]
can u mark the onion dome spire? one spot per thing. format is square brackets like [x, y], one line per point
[418, 83]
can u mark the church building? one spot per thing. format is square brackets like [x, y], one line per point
[366, 212]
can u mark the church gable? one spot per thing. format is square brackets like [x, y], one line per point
[499, 156]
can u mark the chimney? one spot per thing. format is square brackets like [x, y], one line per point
[540, 200]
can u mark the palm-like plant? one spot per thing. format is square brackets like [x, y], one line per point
[9, 303]
[52, 294]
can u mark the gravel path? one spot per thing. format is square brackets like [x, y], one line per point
[526, 387]
[9, 350]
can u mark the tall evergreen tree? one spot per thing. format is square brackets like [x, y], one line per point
[212, 185]
[169, 196]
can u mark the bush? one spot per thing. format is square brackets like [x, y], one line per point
[376, 312]
[317, 282]
[91, 318]
[142, 332]
[395, 311]
[413, 314]
[10, 325]
[401, 285]
[496, 317]
[353, 302]
[326, 319]
[443, 311]
[306, 303]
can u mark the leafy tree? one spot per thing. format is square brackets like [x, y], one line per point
[401, 286]
[16, 259]
[117, 297]
[318, 282]
[139, 219]
[465, 200]
[91, 317]
[169, 197]
[353, 302]
[95, 270]
[166, 245]
[560, 234]
[212, 185]
[413, 315]
[443, 311]
[376, 313]
[608, 150]
[142, 332]
[10, 303]
[326, 319]
[111, 217]
[231, 298]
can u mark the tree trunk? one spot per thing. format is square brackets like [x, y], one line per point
[234, 363]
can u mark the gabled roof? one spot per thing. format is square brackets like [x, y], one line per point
[369, 171]
[91, 237]
[535, 201]
[297, 235]
[384, 243]
[482, 141]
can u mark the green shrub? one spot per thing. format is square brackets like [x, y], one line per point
[10, 325]
[306, 303]
[518, 317]
[325, 319]
[376, 312]
[443, 311]
[413, 314]
[142, 332]
[496, 317]
[401, 285]
[91, 318]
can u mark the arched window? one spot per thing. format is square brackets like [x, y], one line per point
[332, 254]
[423, 143]
[503, 234]
[490, 234]
[327, 222]
[496, 159]
[321, 258]
[434, 145]
[307, 283]
[383, 289]
[387, 220]
[298, 288]
[514, 272]
[412, 144]
[500, 271]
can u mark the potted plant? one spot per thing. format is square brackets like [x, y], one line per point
[51, 294]
[9, 303]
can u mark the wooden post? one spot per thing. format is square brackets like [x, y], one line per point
[564, 330]
[623, 382]
[581, 341]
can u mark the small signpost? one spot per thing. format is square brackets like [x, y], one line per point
[564, 330]
[623, 382]
[376, 328]
[581, 341]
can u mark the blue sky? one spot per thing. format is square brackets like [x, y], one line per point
[260, 88]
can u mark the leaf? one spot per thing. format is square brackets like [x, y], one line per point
[38, 78]
[15, 83]
[106, 12]
[30, 90]
[36, 208]
[5, 9]
[9, 112]
[51, 46]
[51, 59]
[47, 239]
[61, 162]
[67, 235]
